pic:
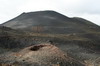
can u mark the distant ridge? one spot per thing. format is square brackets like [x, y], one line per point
[50, 22]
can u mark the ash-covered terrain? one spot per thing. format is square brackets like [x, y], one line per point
[48, 38]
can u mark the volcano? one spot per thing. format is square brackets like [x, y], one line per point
[51, 22]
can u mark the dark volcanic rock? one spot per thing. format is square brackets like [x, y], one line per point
[50, 22]
[77, 37]
[41, 55]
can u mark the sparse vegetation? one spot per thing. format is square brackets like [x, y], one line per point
[78, 38]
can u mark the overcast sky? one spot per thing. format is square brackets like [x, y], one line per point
[88, 9]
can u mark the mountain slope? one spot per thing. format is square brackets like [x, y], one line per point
[77, 37]
[50, 22]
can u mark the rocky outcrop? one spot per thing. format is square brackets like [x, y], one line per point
[41, 55]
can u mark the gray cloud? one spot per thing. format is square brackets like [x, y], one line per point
[90, 6]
